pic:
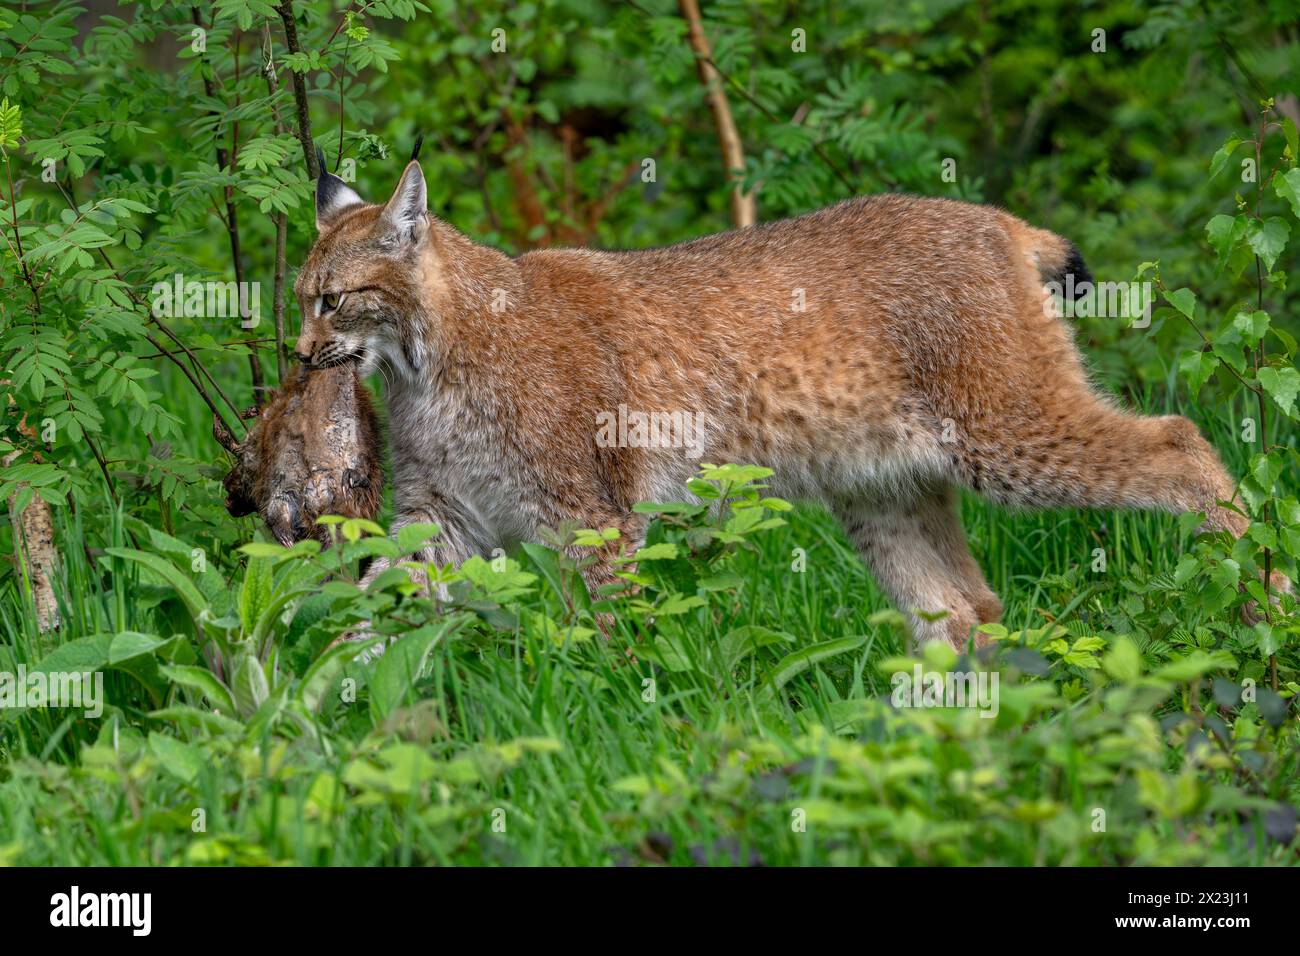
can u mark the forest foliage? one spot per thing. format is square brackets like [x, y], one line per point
[147, 146]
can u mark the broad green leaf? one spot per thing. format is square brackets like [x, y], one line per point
[1253, 326]
[393, 678]
[1184, 300]
[1222, 155]
[664, 550]
[1282, 385]
[194, 601]
[205, 682]
[796, 663]
[320, 677]
[1267, 239]
[1123, 661]
[1198, 366]
[248, 684]
[412, 537]
[177, 757]
[1287, 186]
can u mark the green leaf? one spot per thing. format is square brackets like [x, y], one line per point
[1268, 238]
[795, 664]
[1188, 565]
[11, 124]
[664, 550]
[1123, 661]
[265, 550]
[1222, 155]
[1253, 326]
[1088, 644]
[1282, 385]
[1197, 664]
[1184, 300]
[413, 537]
[269, 616]
[194, 601]
[321, 676]
[1198, 366]
[127, 651]
[209, 721]
[249, 684]
[1223, 233]
[255, 594]
[1287, 187]
[744, 641]
[176, 757]
[1263, 535]
[393, 680]
[1292, 137]
[205, 682]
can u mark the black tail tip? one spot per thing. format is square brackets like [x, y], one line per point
[1075, 267]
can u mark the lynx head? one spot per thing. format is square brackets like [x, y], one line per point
[365, 280]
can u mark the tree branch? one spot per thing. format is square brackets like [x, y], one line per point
[281, 220]
[299, 90]
[744, 209]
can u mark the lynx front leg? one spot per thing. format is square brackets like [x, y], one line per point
[452, 545]
[598, 569]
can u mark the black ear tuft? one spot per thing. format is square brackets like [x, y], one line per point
[415, 152]
[406, 209]
[333, 195]
[320, 162]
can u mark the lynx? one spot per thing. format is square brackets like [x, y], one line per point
[878, 355]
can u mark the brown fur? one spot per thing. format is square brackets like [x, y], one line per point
[926, 357]
[315, 450]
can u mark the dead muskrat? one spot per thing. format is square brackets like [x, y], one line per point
[314, 450]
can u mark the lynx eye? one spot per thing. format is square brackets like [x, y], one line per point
[330, 301]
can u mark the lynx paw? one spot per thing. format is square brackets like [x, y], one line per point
[1278, 583]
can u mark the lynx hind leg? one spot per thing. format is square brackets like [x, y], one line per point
[1082, 453]
[917, 553]
[1085, 454]
[940, 515]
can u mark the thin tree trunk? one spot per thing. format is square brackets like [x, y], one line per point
[744, 209]
[35, 553]
[281, 350]
[299, 90]
[281, 220]
[225, 159]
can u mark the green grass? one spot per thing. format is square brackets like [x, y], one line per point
[508, 747]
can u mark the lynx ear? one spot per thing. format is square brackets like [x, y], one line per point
[333, 195]
[405, 211]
